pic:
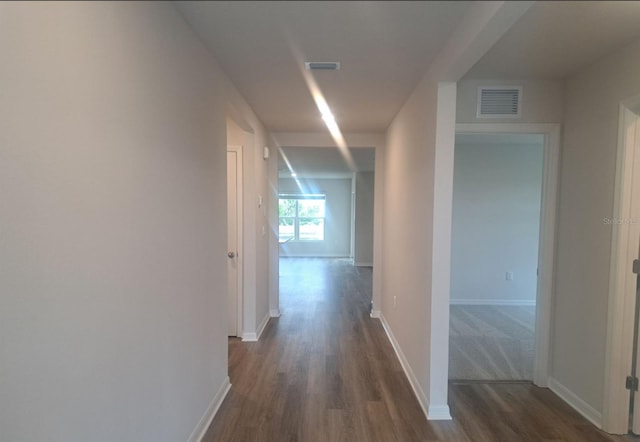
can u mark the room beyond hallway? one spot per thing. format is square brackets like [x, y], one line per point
[491, 342]
[325, 371]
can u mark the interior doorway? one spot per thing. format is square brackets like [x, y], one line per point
[302, 142]
[494, 255]
[546, 238]
[326, 203]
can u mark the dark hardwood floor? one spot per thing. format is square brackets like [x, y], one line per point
[325, 371]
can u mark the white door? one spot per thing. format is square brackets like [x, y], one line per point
[633, 280]
[635, 401]
[234, 218]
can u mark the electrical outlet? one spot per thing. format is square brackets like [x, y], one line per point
[509, 276]
[395, 301]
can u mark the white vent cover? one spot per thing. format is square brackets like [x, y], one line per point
[499, 101]
[322, 65]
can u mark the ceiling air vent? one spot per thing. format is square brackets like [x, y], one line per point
[322, 65]
[499, 101]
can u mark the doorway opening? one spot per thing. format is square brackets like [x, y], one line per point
[326, 208]
[494, 256]
[503, 234]
[326, 211]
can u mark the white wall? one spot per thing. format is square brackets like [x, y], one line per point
[272, 218]
[256, 169]
[496, 221]
[417, 197]
[408, 225]
[235, 135]
[113, 257]
[365, 184]
[584, 241]
[542, 101]
[337, 227]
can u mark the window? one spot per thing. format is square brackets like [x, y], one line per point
[301, 217]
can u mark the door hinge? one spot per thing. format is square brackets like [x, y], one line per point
[631, 383]
[636, 266]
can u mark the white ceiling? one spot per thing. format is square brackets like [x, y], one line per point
[384, 47]
[555, 39]
[324, 162]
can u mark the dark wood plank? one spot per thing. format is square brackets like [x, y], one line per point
[325, 371]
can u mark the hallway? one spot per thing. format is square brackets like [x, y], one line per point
[325, 371]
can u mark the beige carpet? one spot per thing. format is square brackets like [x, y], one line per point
[491, 343]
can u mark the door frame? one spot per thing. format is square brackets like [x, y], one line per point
[547, 239]
[240, 251]
[621, 305]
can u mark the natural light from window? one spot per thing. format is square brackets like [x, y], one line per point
[301, 217]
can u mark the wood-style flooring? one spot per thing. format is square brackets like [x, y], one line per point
[491, 342]
[325, 371]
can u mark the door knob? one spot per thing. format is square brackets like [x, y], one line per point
[231, 254]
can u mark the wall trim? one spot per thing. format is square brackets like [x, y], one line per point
[375, 314]
[586, 410]
[274, 313]
[439, 413]
[431, 412]
[249, 337]
[502, 302]
[253, 337]
[205, 421]
[263, 324]
[363, 264]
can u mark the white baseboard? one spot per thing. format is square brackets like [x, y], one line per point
[440, 413]
[253, 337]
[431, 412]
[586, 410]
[263, 324]
[363, 264]
[375, 314]
[275, 313]
[198, 433]
[505, 302]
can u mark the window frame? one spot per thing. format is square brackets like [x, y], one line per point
[296, 217]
